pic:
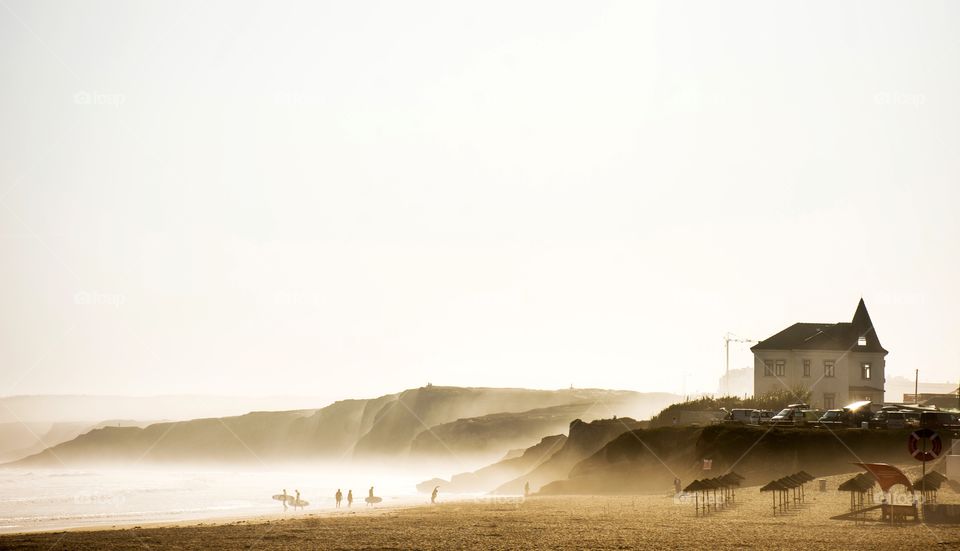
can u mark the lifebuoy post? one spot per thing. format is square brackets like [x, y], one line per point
[924, 445]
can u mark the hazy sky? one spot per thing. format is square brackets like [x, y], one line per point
[350, 198]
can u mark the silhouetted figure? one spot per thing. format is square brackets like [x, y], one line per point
[372, 499]
[285, 499]
[297, 502]
[339, 497]
[433, 496]
[349, 498]
[526, 489]
[676, 486]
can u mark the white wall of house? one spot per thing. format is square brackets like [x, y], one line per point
[845, 386]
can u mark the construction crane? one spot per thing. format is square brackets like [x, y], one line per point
[727, 339]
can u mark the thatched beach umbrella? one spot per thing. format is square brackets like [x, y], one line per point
[711, 485]
[929, 485]
[695, 488]
[790, 484]
[858, 486]
[731, 481]
[736, 480]
[804, 477]
[777, 488]
[855, 488]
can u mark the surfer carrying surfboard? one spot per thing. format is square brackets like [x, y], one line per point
[287, 499]
[349, 498]
[339, 497]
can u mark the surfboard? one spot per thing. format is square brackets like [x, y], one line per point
[289, 498]
[300, 503]
[373, 499]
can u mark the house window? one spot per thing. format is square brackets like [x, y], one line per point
[865, 370]
[862, 341]
[780, 368]
[829, 400]
[767, 368]
[806, 368]
[828, 368]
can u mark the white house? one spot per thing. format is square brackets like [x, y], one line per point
[838, 362]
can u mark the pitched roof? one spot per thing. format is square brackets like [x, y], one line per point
[843, 336]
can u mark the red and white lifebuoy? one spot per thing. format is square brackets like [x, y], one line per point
[928, 452]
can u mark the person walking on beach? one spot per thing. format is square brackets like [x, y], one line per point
[339, 497]
[297, 502]
[526, 489]
[349, 498]
[433, 496]
[285, 499]
[676, 486]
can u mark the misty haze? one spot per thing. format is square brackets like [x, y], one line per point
[433, 275]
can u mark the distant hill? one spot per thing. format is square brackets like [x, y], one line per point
[584, 440]
[399, 422]
[491, 476]
[90, 409]
[551, 459]
[490, 435]
[366, 428]
[18, 440]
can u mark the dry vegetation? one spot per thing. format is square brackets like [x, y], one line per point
[594, 522]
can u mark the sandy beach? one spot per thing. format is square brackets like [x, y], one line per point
[569, 522]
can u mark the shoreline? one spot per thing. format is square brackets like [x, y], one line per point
[252, 519]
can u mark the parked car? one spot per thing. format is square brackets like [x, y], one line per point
[796, 415]
[939, 420]
[912, 417]
[811, 416]
[833, 418]
[738, 416]
[859, 413]
[888, 419]
[760, 416]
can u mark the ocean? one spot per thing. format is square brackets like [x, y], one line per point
[36, 500]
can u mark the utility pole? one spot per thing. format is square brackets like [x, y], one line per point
[916, 385]
[727, 339]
